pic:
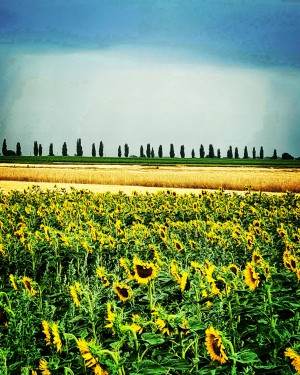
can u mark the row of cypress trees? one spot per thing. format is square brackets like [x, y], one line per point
[148, 152]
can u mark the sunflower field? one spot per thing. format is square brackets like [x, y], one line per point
[159, 283]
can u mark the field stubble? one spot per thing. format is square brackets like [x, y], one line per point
[228, 178]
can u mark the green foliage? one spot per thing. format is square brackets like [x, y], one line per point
[265, 163]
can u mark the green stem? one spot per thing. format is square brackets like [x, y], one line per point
[130, 329]
[68, 371]
[231, 321]
[271, 306]
[229, 343]
[150, 296]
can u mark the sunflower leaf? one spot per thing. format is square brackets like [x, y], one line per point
[152, 338]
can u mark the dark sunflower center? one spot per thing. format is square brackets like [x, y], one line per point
[177, 245]
[144, 272]
[293, 263]
[123, 291]
[233, 270]
[27, 284]
[251, 274]
[216, 348]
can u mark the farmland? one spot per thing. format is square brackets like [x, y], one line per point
[154, 283]
[280, 177]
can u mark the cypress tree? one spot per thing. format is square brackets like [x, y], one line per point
[93, 150]
[64, 149]
[148, 150]
[202, 152]
[101, 149]
[18, 149]
[40, 150]
[119, 152]
[219, 153]
[246, 156]
[126, 150]
[182, 153]
[79, 151]
[160, 151]
[142, 155]
[35, 148]
[274, 154]
[193, 153]
[211, 152]
[172, 152]
[236, 153]
[254, 153]
[261, 153]
[230, 153]
[4, 147]
[51, 153]
[152, 153]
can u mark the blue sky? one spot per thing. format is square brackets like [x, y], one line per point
[225, 72]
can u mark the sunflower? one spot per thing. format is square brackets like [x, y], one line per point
[123, 291]
[293, 263]
[144, 272]
[56, 337]
[124, 264]
[251, 276]
[215, 346]
[162, 325]
[234, 269]
[155, 254]
[174, 271]
[163, 233]
[136, 323]
[90, 360]
[103, 276]
[46, 331]
[43, 366]
[74, 295]
[250, 238]
[183, 280]
[28, 285]
[289, 261]
[178, 245]
[289, 352]
[184, 327]
[2, 250]
[257, 258]
[12, 280]
[111, 316]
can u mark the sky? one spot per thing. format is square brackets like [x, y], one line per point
[187, 72]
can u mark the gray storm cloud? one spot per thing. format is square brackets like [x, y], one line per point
[118, 97]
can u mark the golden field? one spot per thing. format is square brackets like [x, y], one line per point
[113, 177]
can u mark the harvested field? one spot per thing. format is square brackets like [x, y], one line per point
[182, 177]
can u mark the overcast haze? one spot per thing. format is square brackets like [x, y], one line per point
[160, 72]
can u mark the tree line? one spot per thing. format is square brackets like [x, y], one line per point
[148, 151]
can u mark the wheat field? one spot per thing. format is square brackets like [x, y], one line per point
[182, 177]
